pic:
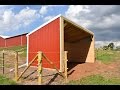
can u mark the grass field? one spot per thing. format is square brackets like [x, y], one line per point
[95, 80]
[107, 56]
[22, 49]
[6, 81]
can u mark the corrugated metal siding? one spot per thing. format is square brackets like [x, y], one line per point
[2, 42]
[24, 40]
[47, 40]
[16, 41]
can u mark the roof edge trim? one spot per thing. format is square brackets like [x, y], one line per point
[79, 26]
[43, 24]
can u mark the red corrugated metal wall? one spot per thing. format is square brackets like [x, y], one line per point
[2, 42]
[16, 41]
[47, 40]
[24, 40]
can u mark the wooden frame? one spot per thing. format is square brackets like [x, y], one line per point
[61, 44]
[62, 25]
[16, 66]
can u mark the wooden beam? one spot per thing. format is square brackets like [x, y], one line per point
[61, 43]
[39, 68]
[3, 62]
[16, 66]
[65, 66]
[65, 24]
[27, 67]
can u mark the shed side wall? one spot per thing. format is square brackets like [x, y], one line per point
[16, 41]
[2, 42]
[24, 40]
[47, 40]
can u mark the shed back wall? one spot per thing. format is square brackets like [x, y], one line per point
[2, 42]
[81, 51]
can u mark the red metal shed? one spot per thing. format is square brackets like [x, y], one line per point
[58, 35]
[2, 42]
[18, 40]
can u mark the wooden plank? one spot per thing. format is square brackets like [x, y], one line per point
[77, 38]
[3, 62]
[39, 68]
[75, 34]
[16, 66]
[27, 67]
[65, 67]
[65, 24]
[61, 43]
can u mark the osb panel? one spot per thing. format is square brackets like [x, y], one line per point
[82, 51]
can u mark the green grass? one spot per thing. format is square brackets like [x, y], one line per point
[17, 48]
[6, 81]
[96, 80]
[107, 56]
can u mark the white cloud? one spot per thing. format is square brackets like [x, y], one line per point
[74, 12]
[4, 36]
[9, 21]
[102, 19]
[48, 18]
[43, 10]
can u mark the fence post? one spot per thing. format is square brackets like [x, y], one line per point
[39, 68]
[65, 65]
[3, 62]
[16, 66]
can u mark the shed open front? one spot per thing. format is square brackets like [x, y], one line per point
[79, 44]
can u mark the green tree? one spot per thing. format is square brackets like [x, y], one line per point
[105, 47]
[111, 46]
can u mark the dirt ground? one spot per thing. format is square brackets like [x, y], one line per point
[51, 77]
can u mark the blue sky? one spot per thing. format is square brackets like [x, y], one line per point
[103, 20]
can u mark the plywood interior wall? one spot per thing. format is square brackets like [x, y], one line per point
[79, 51]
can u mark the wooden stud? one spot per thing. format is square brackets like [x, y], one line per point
[65, 24]
[3, 62]
[61, 43]
[39, 68]
[65, 66]
[16, 66]
[27, 67]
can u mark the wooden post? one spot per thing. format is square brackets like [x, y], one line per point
[16, 66]
[65, 65]
[3, 62]
[39, 68]
[27, 67]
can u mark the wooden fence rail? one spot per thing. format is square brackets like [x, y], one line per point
[39, 57]
[26, 68]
